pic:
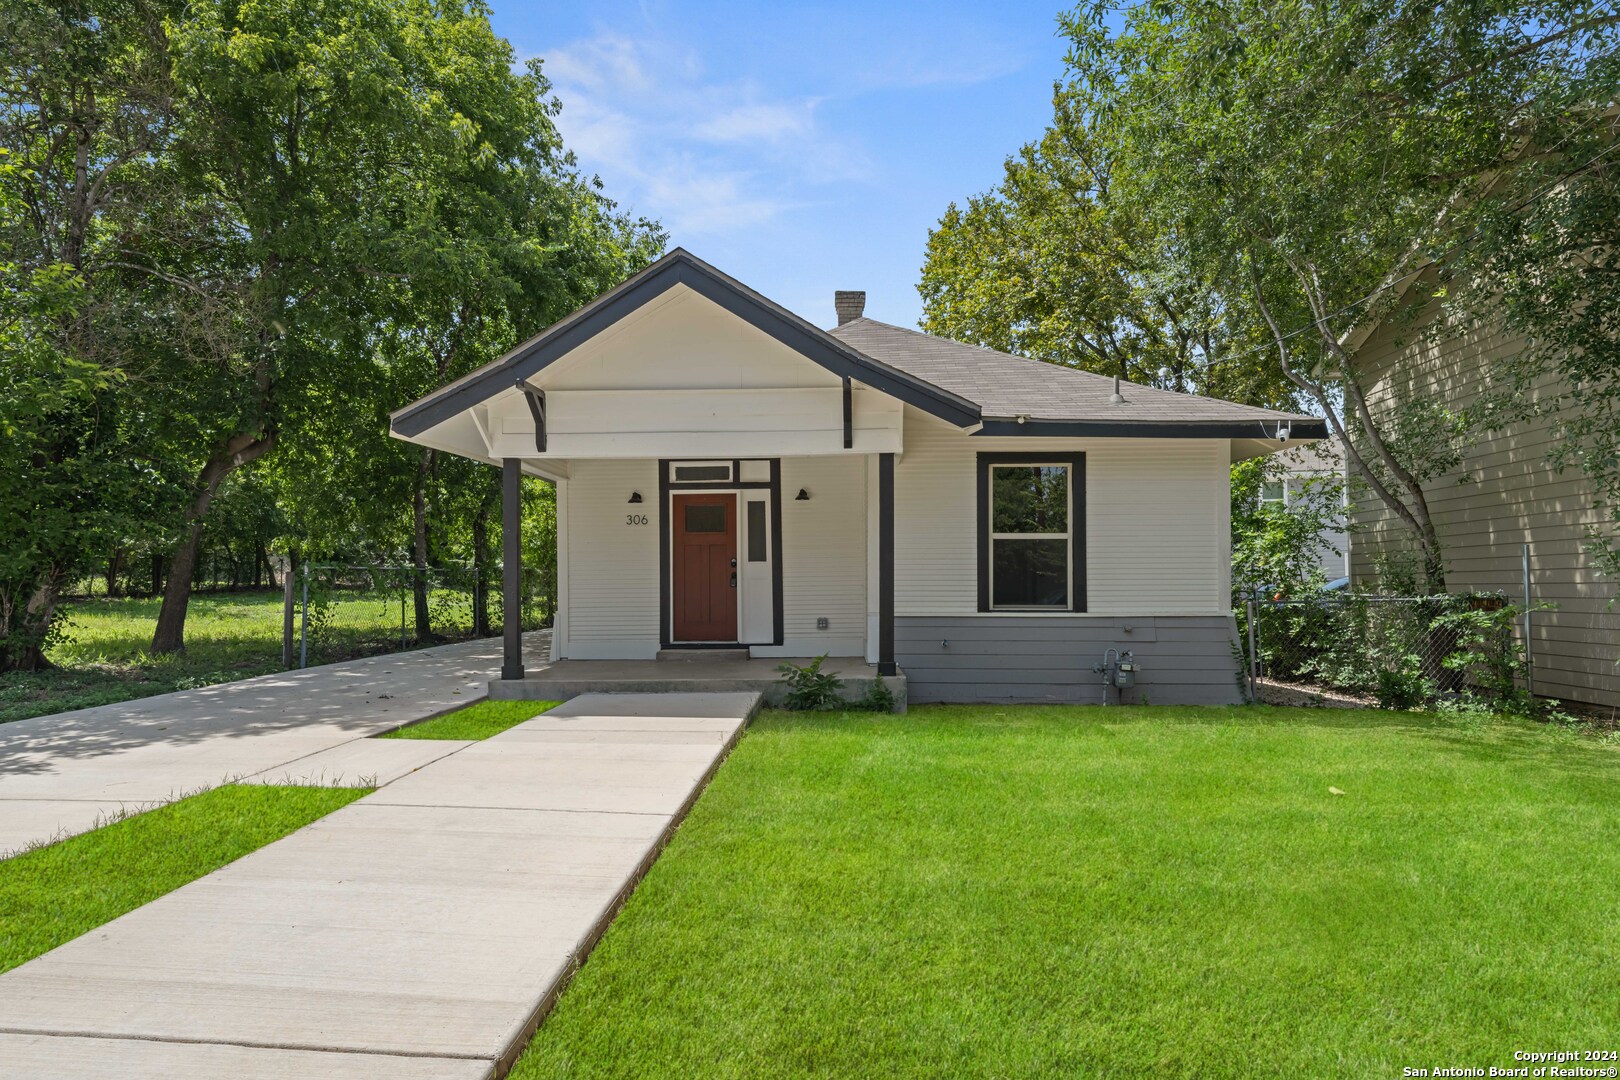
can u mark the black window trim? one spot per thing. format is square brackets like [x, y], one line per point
[1076, 461]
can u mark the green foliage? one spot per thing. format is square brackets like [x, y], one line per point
[1294, 158]
[288, 221]
[878, 697]
[1278, 548]
[810, 688]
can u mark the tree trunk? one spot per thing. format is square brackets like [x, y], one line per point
[419, 550]
[239, 450]
[30, 625]
[115, 564]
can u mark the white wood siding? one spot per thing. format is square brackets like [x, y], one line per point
[1158, 539]
[683, 341]
[613, 579]
[823, 557]
[613, 586]
[1503, 495]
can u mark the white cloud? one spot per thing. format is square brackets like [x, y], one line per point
[706, 156]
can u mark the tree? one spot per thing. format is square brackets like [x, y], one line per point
[1307, 156]
[84, 101]
[1278, 546]
[355, 188]
[1050, 265]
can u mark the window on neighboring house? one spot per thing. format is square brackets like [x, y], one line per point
[1031, 524]
[1274, 491]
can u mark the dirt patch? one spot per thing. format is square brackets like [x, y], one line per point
[1307, 696]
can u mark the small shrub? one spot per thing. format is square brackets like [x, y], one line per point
[879, 698]
[1404, 687]
[809, 688]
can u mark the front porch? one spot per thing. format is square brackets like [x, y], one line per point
[560, 680]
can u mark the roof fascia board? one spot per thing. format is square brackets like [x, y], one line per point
[1148, 429]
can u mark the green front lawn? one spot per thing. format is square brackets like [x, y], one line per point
[55, 893]
[1034, 891]
[477, 721]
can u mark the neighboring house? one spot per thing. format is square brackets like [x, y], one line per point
[1504, 495]
[1300, 469]
[987, 525]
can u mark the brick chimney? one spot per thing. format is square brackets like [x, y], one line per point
[849, 305]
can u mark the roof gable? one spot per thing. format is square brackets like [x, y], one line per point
[678, 268]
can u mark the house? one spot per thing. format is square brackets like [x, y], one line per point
[732, 478]
[1503, 495]
[1315, 468]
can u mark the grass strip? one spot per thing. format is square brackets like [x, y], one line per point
[477, 721]
[52, 894]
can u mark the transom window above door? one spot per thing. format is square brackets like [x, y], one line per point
[1031, 533]
[697, 472]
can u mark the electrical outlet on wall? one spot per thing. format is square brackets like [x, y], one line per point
[821, 623]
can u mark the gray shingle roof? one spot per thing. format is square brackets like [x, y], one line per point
[1005, 386]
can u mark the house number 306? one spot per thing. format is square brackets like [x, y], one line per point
[635, 519]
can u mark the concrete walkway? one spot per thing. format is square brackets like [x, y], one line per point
[421, 932]
[66, 773]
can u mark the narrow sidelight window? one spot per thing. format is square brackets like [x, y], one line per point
[756, 531]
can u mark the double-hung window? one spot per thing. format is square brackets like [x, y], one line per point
[1031, 532]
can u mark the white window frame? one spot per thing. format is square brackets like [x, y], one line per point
[1264, 501]
[1067, 535]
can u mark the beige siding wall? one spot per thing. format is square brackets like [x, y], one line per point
[1504, 494]
[1158, 538]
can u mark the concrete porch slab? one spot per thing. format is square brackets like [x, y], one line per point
[566, 679]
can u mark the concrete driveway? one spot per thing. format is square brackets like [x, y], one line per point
[65, 773]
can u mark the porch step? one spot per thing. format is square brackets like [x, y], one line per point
[706, 655]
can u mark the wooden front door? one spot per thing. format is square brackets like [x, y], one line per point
[704, 578]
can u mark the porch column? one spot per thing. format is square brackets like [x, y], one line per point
[886, 564]
[512, 567]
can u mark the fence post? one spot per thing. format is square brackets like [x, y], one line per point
[1529, 645]
[1254, 651]
[303, 634]
[286, 611]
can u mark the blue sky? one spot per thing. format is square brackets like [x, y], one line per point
[801, 149]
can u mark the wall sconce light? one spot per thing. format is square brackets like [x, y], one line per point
[802, 496]
[635, 496]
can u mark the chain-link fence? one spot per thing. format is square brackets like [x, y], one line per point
[1397, 651]
[335, 612]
